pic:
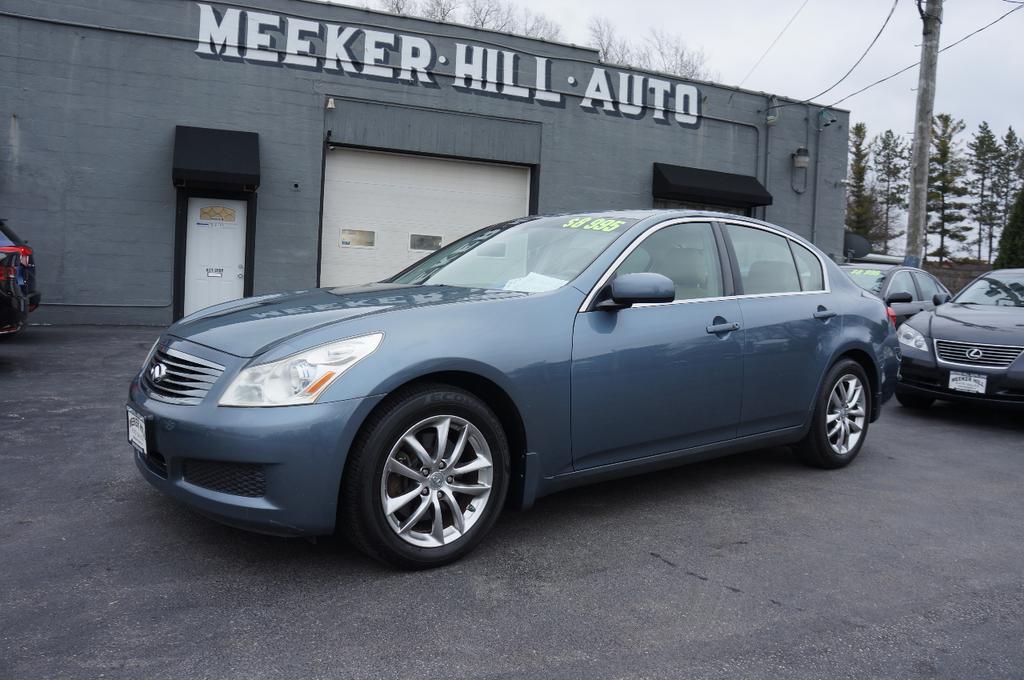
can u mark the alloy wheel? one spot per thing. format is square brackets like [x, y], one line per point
[846, 414]
[436, 481]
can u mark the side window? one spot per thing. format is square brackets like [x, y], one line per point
[929, 287]
[901, 283]
[685, 253]
[766, 263]
[808, 267]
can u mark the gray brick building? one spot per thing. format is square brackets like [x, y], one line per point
[162, 154]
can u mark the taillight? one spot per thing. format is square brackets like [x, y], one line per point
[891, 314]
[24, 251]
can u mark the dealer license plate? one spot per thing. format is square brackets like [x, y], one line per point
[968, 382]
[136, 430]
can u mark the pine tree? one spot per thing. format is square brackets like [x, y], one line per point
[891, 165]
[985, 153]
[1011, 245]
[947, 175]
[1006, 182]
[860, 204]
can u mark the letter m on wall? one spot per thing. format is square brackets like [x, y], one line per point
[218, 35]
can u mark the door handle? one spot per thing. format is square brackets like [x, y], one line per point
[716, 328]
[824, 314]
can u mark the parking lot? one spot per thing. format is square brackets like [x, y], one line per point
[906, 564]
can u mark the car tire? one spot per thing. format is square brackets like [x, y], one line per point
[377, 477]
[823, 446]
[914, 400]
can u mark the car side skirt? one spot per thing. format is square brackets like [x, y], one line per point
[549, 485]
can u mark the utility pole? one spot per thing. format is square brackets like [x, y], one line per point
[931, 17]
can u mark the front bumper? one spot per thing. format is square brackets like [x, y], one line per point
[298, 454]
[922, 374]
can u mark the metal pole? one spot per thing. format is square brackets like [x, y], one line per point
[931, 17]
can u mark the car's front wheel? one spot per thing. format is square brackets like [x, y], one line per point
[426, 479]
[839, 423]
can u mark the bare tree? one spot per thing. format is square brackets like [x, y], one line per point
[661, 51]
[496, 15]
[613, 48]
[439, 10]
[667, 52]
[399, 6]
[537, 25]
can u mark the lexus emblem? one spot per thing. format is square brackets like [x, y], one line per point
[975, 353]
[157, 372]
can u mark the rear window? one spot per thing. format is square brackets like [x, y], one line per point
[765, 260]
[869, 279]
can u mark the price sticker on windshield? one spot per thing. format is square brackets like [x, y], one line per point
[594, 223]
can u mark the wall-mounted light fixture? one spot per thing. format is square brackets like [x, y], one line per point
[330, 103]
[801, 158]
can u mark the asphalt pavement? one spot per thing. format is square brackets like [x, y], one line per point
[907, 564]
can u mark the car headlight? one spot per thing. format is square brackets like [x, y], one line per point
[911, 337]
[300, 378]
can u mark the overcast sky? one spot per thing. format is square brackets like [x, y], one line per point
[980, 79]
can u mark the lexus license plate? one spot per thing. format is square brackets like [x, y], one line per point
[137, 430]
[968, 382]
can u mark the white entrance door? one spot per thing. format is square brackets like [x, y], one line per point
[383, 211]
[214, 252]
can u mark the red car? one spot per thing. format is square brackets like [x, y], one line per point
[18, 294]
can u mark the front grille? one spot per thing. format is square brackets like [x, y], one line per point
[239, 479]
[179, 378]
[972, 354]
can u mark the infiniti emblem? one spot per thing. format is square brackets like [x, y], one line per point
[975, 353]
[157, 372]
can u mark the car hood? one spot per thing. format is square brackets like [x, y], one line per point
[978, 323]
[251, 326]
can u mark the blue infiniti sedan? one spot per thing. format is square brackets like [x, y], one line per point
[525, 358]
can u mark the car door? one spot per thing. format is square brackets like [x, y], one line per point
[902, 282]
[792, 323]
[929, 288]
[656, 378]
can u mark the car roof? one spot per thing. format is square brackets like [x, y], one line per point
[668, 213]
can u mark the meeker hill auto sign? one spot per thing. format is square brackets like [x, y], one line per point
[259, 37]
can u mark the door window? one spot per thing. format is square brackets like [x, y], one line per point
[901, 283]
[808, 267]
[765, 261]
[929, 286]
[685, 253]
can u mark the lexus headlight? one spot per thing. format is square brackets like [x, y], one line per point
[911, 337]
[300, 378]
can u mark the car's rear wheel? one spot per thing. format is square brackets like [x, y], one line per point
[426, 479]
[839, 423]
[914, 400]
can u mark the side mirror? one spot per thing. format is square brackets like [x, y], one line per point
[637, 288]
[899, 297]
[941, 299]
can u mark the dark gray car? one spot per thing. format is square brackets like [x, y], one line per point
[907, 290]
[525, 358]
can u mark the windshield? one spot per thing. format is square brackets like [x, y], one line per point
[868, 279]
[531, 256]
[1001, 289]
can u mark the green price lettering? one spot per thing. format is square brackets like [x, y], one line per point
[594, 224]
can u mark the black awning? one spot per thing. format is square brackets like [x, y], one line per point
[680, 183]
[216, 159]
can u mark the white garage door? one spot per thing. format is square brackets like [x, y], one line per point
[384, 211]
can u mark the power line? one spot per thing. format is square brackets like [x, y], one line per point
[951, 45]
[861, 58]
[769, 48]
